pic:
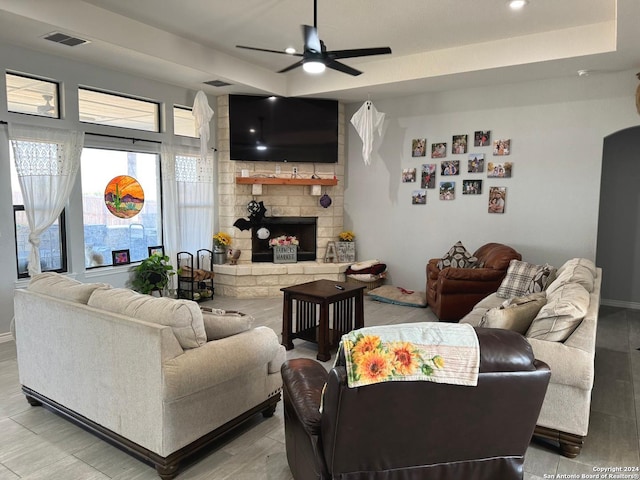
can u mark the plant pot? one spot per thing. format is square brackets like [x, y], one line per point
[219, 255]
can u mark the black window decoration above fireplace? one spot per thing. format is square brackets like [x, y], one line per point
[283, 129]
[303, 228]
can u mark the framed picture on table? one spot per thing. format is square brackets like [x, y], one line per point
[120, 257]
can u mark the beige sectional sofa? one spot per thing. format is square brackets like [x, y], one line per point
[563, 335]
[140, 370]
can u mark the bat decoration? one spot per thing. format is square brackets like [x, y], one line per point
[257, 211]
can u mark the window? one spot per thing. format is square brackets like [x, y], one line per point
[53, 247]
[124, 218]
[32, 96]
[118, 111]
[184, 123]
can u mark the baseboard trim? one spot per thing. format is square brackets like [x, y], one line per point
[621, 304]
[6, 337]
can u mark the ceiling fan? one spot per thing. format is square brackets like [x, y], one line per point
[47, 108]
[316, 57]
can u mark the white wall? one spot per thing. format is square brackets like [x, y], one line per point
[71, 74]
[556, 129]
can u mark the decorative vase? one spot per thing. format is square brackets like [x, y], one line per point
[219, 255]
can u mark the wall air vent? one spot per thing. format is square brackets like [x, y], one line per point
[217, 83]
[64, 39]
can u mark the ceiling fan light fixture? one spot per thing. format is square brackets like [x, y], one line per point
[314, 66]
[517, 4]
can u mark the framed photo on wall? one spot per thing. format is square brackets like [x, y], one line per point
[120, 257]
[418, 147]
[482, 138]
[497, 199]
[471, 187]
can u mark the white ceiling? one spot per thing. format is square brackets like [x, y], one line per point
[437, 44]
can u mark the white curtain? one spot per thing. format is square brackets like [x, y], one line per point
[47, 161]
[188, 207]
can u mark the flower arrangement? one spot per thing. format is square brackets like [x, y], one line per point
[375, 361]
[346, 236]
[283, 240]
[222, 239]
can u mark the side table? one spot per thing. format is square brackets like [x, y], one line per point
[310, 302]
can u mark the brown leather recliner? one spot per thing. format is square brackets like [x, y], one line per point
[416, 430]
[453, 292]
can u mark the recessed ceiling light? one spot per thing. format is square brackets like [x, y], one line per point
[290, 50]
[517, 4]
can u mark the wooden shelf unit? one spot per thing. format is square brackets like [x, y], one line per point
[285, 181]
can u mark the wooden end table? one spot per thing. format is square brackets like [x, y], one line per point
[311, 297]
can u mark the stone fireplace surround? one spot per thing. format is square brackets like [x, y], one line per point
[265, 279]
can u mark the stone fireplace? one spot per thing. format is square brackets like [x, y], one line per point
[283, 198]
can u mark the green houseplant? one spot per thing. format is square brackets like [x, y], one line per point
[152, 274]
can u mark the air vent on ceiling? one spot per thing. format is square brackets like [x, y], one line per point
[217, 83]
[65, 39]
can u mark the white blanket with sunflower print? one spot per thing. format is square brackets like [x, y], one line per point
[435, 352]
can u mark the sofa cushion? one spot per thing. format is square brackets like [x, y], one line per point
[457, 257]
[544, 276]
[565, 309]
[577, 270]
[515, 314]
[221, 324]
[183, 316]
[518, 279]
[63, 287]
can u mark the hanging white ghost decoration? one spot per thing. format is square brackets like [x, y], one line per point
[366, 121]
[202, 113]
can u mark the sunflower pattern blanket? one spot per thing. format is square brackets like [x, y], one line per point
[435, 352]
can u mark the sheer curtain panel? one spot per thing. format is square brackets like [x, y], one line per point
[187, 185]
[47, 161]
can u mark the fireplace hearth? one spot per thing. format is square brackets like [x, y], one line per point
[303, 228]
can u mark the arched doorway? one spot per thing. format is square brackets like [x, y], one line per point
[618, 247]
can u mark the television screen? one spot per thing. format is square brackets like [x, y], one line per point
[281, 129]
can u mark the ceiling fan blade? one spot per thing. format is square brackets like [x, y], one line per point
[269, 51]
[291, 67]
[311, 40]
[358, 52]
[341, 67]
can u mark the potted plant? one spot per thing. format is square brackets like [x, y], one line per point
[346, 247]
[221, 241]
[152, 274]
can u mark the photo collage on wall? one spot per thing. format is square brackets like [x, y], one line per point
[462, 151]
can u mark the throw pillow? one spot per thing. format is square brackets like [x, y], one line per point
[541, 279]
[221, 324]
[574, 272]
[517, 314]
[565, 309]
[398, 296]
[457, 257]
[517, 280]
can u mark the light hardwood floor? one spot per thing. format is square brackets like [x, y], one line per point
[35, 444]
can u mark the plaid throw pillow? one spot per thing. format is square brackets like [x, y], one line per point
[457, 257]
[518, 279]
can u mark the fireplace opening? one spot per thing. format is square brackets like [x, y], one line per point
[303, 228]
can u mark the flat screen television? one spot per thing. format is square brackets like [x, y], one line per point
[283, 129]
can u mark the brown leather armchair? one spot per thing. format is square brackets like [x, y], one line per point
[416, 430]
[453, 292]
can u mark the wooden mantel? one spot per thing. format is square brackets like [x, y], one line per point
[285, 181]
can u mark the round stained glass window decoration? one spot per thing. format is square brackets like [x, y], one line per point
[124, 196]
